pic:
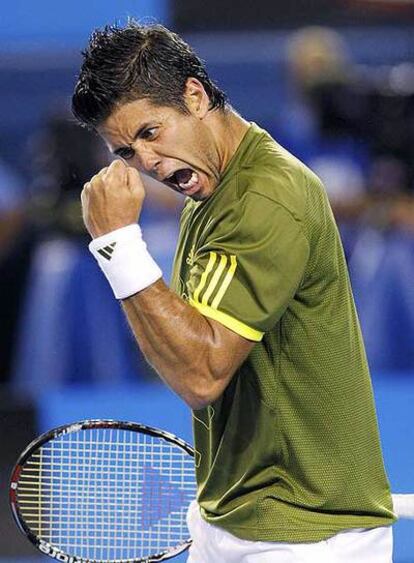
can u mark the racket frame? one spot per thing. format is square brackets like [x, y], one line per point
[89, 424]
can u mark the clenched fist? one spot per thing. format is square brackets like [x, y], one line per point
[112, 199]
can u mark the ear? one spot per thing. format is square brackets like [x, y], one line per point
[196, 98]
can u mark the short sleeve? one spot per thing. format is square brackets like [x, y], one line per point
[249, 267]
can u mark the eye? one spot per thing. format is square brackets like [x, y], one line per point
[149, 134]
[126, 153]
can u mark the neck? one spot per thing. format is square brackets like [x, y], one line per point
[227, 129]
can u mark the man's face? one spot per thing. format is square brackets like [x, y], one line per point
[173, 147]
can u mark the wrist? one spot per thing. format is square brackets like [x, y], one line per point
[123, 257]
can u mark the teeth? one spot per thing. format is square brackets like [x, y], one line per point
[191, 182]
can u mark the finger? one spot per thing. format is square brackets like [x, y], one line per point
[134, 180]
[84, 202]
[102, 172]
[97, 179]
[116, 164]
[117, 169]
[84, 196]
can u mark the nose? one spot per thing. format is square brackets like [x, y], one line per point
[148, 161]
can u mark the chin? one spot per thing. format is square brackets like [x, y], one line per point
[200, 196]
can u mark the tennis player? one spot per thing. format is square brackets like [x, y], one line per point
[259, 333]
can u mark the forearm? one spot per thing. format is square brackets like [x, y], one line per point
[177, 341]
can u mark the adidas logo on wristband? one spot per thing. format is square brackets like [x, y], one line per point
[107, 251]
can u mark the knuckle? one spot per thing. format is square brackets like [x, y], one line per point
[116, 166]
[133, 173]
[98, 179]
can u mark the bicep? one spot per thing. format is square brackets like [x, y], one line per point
[227, 352]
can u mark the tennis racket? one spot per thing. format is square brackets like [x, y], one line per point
[105, 491]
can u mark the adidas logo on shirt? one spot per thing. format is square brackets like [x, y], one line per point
[107, 251]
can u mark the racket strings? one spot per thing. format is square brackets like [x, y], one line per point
[105, 494]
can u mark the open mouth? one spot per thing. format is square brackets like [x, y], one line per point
[184, 179]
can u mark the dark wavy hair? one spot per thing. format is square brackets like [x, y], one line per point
[124, 64]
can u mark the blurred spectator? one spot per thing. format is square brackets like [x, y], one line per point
[63, 157]
[67, 294]
[362, 143]
[15, 247]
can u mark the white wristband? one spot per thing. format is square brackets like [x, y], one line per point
[124, 259]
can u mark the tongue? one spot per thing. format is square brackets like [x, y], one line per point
[184, 175]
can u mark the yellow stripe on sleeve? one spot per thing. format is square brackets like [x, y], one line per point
[209, 267]
[214, 280]
[233, 324]
[226, 282]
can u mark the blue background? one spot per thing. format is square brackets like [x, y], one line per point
[47, 23]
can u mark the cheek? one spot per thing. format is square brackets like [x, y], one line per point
[199, 148]
[188, 141]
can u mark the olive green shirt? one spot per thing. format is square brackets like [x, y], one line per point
[290, 452]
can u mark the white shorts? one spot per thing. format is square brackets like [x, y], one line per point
[214, 545]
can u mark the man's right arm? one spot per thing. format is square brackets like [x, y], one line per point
[194, 355]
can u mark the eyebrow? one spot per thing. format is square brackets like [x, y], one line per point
[139, 132]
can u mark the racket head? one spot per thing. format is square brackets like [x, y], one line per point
[179, 457]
